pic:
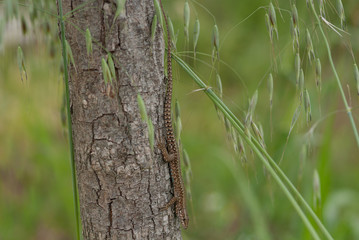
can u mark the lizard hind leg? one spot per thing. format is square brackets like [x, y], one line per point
[166, 156]
[169, 204]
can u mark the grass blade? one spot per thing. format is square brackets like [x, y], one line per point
[69, 125]
[266, 159]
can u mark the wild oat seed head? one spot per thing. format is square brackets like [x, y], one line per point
[70, 57]
[294, 15]
[111, 66]
[196, 31]
[88, 38]
[270, 87]
[310, 49]
[272, 15]
[301, 80]
[172, 31]
[215, 37]
[341, 14]
[177, 109]
[142, 107]
[219, 85]
[186, 16]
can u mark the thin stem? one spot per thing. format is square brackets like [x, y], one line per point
[69, 124]
[347, 107]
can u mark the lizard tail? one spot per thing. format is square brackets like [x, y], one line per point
[169, 60]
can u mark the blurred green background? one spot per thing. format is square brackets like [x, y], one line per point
[35, 176]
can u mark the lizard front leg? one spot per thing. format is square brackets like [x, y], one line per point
[169, 204]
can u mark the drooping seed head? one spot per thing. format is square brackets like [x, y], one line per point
[215, 37]
[294, 15]
[301, 81]
[219, 85]
[196, 31]
[341, 13]
[310, 49]
[186, 16]
[307, 106]
[111, 66]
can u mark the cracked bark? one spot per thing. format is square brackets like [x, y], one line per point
[122, 184]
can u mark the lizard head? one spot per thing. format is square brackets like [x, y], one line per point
[184, 218]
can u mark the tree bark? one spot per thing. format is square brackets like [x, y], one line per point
[122, 183]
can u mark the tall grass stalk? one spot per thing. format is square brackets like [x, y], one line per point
[69, 124]
[260, 226]
[262, 155]
[347, 107]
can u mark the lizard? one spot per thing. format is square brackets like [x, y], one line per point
[171, 152]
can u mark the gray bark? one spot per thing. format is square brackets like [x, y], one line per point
[122, 183]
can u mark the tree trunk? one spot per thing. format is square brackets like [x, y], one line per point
[122, 183]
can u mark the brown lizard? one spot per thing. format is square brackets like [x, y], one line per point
[170, 153]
